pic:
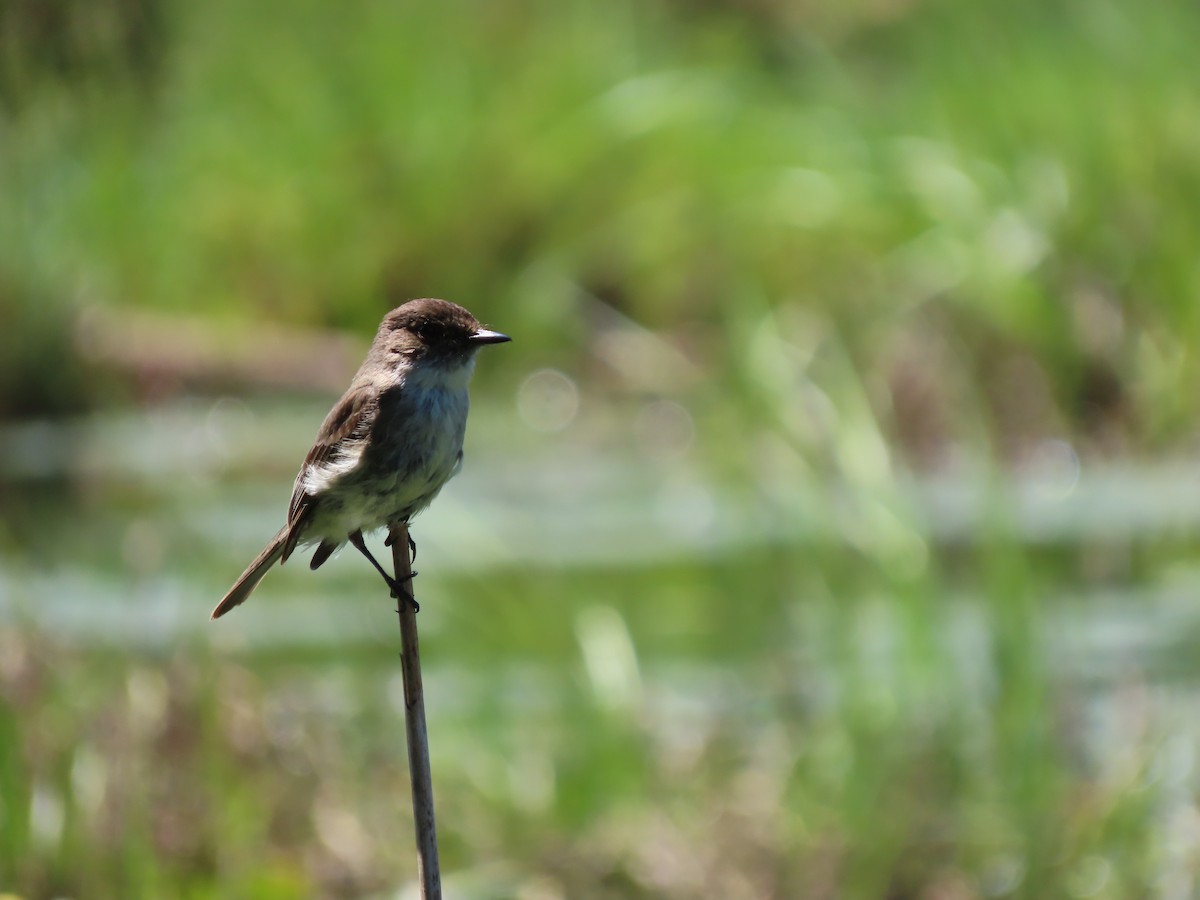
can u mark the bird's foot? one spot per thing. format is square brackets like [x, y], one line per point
[405, 595]
[412, 545]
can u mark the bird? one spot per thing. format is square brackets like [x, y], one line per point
[387, 446]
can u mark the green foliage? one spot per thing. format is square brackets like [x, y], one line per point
[995, 185]
[847, 240]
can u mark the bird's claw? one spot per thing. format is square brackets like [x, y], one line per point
[399, 592]
[410, 601]
[412, 545]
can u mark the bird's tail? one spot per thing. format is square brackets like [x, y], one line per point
[253, 575]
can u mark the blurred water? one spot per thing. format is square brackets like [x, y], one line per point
[143, 517]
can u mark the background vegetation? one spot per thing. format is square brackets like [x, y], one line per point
[829, 526]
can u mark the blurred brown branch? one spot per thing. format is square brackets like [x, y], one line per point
[163, 353]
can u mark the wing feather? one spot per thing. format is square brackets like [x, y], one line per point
[348, 423]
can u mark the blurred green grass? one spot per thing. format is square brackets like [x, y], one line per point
[655, 733]
[983, 185]
[845, 241]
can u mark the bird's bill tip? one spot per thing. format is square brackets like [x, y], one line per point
[483, 336]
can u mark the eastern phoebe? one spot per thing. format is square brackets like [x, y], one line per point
[387, 447]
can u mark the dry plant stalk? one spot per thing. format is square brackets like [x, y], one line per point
[428, 868]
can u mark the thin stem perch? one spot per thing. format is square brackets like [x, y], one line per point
[414, 721]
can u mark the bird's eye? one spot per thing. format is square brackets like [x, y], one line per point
[430, 332]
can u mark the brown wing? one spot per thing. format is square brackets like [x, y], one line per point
[348, 421]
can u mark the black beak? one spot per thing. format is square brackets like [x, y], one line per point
[483, 336]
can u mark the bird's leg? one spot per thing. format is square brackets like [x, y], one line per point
[356, 538]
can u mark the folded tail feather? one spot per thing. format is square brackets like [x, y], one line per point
[254, 573]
